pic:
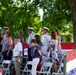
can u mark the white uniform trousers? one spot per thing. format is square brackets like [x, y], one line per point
[35, 62]
[45, 53]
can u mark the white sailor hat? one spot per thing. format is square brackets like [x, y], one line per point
[6, 27]
[30, 28]
[46, 28]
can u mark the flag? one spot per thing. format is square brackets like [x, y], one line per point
[71, 63]
[0, 72]
[25, 50]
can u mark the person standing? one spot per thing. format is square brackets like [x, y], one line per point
[7, 46]
[17, 53]
[31, 36]
[20, 34]
[54, 50]
[59, 44]
[45, 40]
[36, 54]
[3, 33]
[38, 40]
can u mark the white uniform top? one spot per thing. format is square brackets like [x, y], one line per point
[17, 49]
[46, 39]
[31, 36]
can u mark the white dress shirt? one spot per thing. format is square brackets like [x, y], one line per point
[46, 38]
[17, 49]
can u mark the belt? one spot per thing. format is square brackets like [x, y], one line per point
[16, 56]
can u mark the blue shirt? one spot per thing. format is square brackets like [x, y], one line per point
[40, 44]
[5, 45]
[34, 51]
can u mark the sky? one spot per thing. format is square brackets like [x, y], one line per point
[41, 13]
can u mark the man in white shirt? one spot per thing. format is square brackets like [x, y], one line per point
[46, 38]
[17, 53]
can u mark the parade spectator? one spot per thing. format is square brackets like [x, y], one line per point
[7, 46]
[3, 33]
[45, 40]
[36, 54]
[59, 44]
[38, 40]
[20, 34]
[17, 53]
[54, 50]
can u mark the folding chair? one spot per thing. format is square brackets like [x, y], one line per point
[1, 58]
[25, 50]
[0, 72]
[24, 55]
[25, 58]
[60, 71]
[26, 70]
[6, 67]
[46, 68]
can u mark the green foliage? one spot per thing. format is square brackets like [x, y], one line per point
[57, 13]
[21, 14]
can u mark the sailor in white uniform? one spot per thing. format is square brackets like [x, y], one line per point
[31, 35]
[46, 38]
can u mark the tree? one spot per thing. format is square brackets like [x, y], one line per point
[20, 14]
[57, 14]
[73, 7]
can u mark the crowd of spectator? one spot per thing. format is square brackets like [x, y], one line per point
[42, 47]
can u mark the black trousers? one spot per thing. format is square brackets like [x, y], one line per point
[29, 57]
[29, 54]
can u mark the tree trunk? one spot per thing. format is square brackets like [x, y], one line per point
[73, 7]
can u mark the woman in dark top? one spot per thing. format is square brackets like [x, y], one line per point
[36, 54]
[7, 46]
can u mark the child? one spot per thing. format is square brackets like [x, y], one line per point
[35, 53]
